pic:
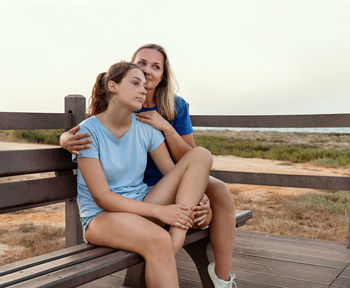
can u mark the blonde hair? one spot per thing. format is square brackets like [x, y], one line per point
[164, 96]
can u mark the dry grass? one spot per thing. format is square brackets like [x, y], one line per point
[274, 211]
[32, 232]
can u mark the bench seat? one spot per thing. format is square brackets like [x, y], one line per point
[83, 263]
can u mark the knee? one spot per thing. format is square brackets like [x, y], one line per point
[159, 245]
[202, 155]
[220, 196]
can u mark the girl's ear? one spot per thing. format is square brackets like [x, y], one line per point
[112, 87]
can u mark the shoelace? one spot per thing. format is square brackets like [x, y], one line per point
[231, 282]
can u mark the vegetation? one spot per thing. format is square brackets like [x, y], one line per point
[334, 203]
[36, 136]
[254, 148]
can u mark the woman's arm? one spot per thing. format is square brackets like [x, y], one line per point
[178, 145]
[73, 142]
[91, 169]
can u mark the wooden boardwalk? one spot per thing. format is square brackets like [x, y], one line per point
[263, 260]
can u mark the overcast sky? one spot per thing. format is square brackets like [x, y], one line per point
[229, 57]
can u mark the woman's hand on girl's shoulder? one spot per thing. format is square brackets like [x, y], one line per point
[176, 215]
[154, 119]
[73, 142]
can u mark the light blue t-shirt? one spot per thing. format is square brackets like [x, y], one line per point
[123, 160]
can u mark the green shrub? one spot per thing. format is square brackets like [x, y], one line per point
[37, 136]
[336, 203]
[283, 152]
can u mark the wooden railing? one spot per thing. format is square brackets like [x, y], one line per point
[279, 121]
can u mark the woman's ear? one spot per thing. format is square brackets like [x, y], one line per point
[112, 87]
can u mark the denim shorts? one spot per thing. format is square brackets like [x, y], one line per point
[85, 221]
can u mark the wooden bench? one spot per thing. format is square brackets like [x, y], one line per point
[78, 263]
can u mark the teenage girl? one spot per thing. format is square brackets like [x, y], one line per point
[117, 208]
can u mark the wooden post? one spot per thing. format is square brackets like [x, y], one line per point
[202, 254]
[76, 105]
[349, 231]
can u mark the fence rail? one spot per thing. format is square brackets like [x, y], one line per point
[272, 121]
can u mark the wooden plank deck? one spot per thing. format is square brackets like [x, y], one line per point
[263, 260]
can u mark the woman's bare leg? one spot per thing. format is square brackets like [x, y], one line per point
[135, 233]
[184, 184]
[222, 226]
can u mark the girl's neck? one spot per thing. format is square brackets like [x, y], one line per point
[150, 102]
[116, 120]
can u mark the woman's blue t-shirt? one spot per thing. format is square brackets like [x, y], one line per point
[182, 125]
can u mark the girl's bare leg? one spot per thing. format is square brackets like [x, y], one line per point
[135, 233]
[184, 184]
[222, 226]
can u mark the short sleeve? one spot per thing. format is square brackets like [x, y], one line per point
[182, 122]
[156, 139]
[92, 152]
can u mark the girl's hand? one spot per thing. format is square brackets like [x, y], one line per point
[154, 119]
[176, 215]
[72, 142]
[202, 213]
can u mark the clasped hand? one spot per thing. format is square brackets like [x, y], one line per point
[176, 215]
[183, 217]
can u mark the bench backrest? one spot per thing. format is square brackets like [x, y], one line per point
[59, 186]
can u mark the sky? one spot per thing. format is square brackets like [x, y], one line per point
[230, 57]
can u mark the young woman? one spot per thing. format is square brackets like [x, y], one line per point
[114, 203]
[169, 114]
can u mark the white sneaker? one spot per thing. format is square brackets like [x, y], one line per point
[219, 283]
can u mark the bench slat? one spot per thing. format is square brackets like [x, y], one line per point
[23, 194]
[30, 262]
[34, 161]
[26, 121]
[45, 268]
[85, 272]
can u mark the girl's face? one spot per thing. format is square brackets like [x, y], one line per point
[131, 91]
[151, 63]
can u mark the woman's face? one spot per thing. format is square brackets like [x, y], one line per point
[131, 91]
[151, 63]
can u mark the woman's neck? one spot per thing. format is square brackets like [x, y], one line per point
[150, 102]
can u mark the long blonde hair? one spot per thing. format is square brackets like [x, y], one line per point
[164, 96]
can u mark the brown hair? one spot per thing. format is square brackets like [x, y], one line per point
[165, 91]
[100, 95]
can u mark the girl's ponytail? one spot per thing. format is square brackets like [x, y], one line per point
[99, 96]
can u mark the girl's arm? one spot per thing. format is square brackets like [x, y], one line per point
[162, 159]
[178, 145]
[73, 142]
[91, 169]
